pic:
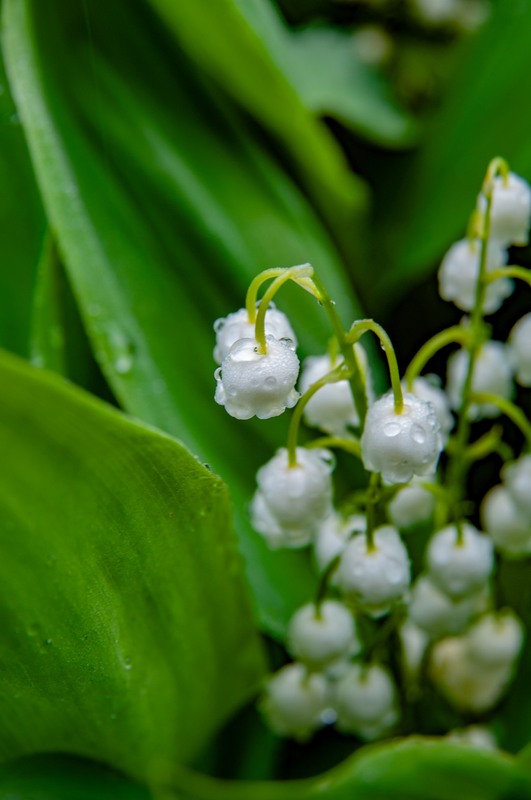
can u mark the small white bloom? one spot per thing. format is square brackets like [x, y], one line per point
[414, 644]
[333, 534]
[428, 388]
[401, 445]
[509, 528]
[321, 636]
[458, 275]
[436, 12]
[250, 383]
[294, 701]
[439, 615]
[378, 576]
[237, 326]
[460, 567]
[517, 478]
[331, 408]
[519, 349]
[290, 502]
[511, 210]
[365, 701]
[478, 736]
[496, 639]
[411, 504]
[492, 375]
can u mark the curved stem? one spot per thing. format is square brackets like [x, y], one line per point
[288, 274]
[508, 408]
[340, 373]
[254, 286]
[521, 273]
[356, 332]
[352, 445]
[454, 335]
[490, 442]
[324, 581]
[373, 496]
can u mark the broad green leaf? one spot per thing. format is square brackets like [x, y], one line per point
[53, 778]
[484, 114]
[408, 769]
[21, 226]
[125, 630]
[164, 207]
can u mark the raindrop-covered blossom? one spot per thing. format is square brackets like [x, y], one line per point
[411, 505]
[510, 211]
[237, 326]
[321, 635]
[509, 528]
[295, 701]
[492, 374]
[365, 701]
[427, 387]
[460, 566]
[458, 275]
[291, 501]
[250, 383]
[400, 445]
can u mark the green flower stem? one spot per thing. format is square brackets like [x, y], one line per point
[289, 274]
[324, 582]
[454, 335]
[350, 445]
[512, 411]
[382, 635]
[490, 442]
[254, 286]
[521, 273]
[356, 379]
[356, 332]
[373, 498]
[340, 373]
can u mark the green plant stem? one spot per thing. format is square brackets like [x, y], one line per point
[490, 442]
[508, 408]
[521, 273]
[351, 445]
[289, 274]
[454, 335]
[356, 332]
[373, 497]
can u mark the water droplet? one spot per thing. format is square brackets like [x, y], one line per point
[418, 434]
[122, 350]
[127, 663]
[217, 374]
[271, 382]
[391, 429]
[219, 324]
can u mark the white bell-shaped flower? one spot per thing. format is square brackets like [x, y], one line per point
[332, 536]
[400, 445]
[519, 349]
[295, 701]
[517, 478]
[510, 211]
[412, 504]
[237, 326]
[376, 576]
[321, 635]
[250, 383]
[331, 408]
[496, 639]
[435, 12]
[365, 701]
[492, 374]
[428, 388]
[509, 528]
[414, 643]
[458, 275]
[478, 736]
[291, 501]
[439, 615]
[460, 567]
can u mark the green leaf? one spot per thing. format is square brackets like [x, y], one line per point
[409, 769]
[125, 630]
[484, 114]
[164, 207]
[54, 778]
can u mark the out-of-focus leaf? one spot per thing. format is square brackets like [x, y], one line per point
[53, 778]
[411, 769]
[125, 629]
[484, 114]
[164, 208]
[21, 226]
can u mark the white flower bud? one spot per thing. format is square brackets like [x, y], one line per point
[331, 408]
[478, 736]
[237, 326]
[321, 636]
[435, 12]
[414, 644]
[496, 639]
[378, 576]
[438, 614]
[250, 383]
[509, 528]
[365, 701]
[290, 502]
[458, 275]
[517, 477]
[519, 349]
[460, 567]
[411, 504]
[332, 536]
[492, 375]
[401, 445]
[510, 211]
[294, 701]
[428, 389]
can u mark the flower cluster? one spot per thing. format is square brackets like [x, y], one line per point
[441, 611]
